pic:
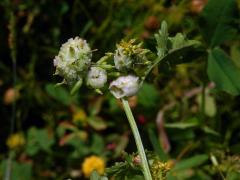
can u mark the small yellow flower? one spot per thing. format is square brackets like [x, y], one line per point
[79, 116]
[159, 169]
[92, 163]
[15, 141]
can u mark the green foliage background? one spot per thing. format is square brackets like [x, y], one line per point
[182, 116]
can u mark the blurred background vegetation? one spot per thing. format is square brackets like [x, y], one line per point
[181, 116]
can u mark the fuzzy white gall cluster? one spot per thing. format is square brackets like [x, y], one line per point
[73, 60]
[124, 86]
[97, 77]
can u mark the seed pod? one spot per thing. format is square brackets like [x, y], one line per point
[97, 77]
[124, 86]
[73, 60]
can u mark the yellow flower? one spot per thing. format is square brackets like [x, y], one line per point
[80, 116]
[15, 141]
[159, 169]
[93, 163]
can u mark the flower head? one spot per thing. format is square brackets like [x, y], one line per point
[159, 169]
[93, 163]
[97, 77]
[15, 141]
[129, 55]
[125, 86]
[73, 59]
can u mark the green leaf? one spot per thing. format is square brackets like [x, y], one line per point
[95, 175]
[97, 145]
[156, 145]
[174, 50]
[235, 54]
[233, 175]
[182, 50]
[124, 170]
[148, 95]
[217, 21]
[179, 41]
[223, 72]
[208, 130]
[210, 108]
[97, 123]
[121, 145]
[38, 139]
[181, 125]
[191, 162]
[19, 171]
[58, 93]
[162, 39]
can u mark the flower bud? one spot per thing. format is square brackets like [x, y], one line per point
[73, 59]
[124, 86]
[15, 141]
[97, 77]
[10, 96]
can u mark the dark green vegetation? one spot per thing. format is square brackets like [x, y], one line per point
[189, 122]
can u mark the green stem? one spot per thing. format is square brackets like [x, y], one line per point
[146, 170]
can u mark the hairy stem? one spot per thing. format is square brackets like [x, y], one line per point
[144, 162]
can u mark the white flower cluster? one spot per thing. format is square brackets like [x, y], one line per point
[73, 63]
[73, 60]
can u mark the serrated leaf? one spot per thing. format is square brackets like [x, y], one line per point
[174, 50]
[178, 41]
[117, 168]
[222, 71]
[124, 170]
[217, 21]
[162, 39]
[182, 51]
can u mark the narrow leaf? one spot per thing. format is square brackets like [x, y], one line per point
[156, 145]
[191, 162]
